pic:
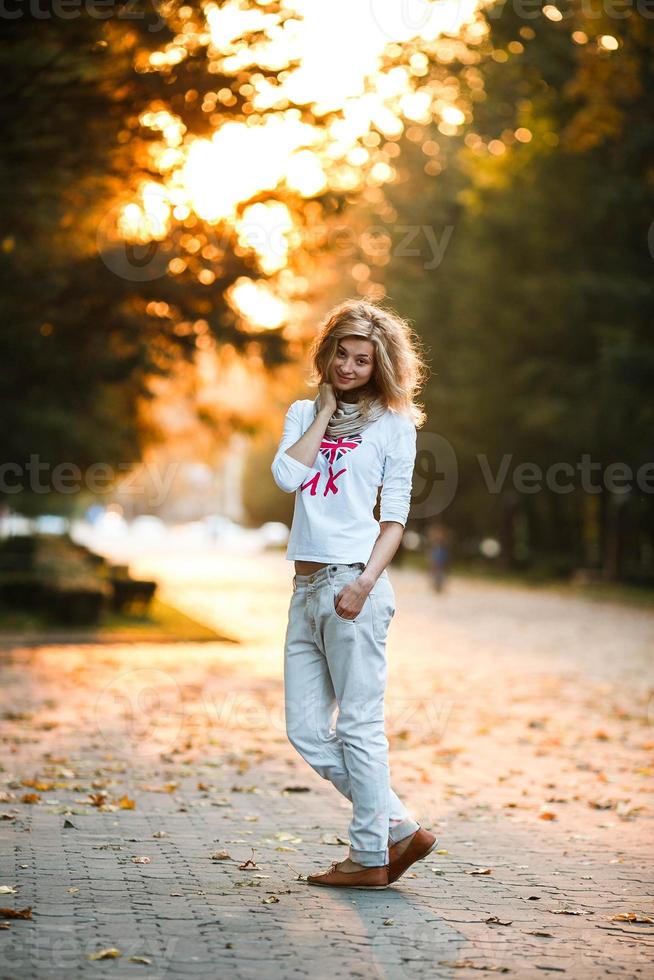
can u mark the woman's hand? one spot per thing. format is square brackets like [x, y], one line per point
[327, 397]
[350, 600]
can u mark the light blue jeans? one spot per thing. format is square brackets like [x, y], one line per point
[331, 661]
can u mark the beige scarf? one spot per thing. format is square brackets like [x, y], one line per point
[351, 417]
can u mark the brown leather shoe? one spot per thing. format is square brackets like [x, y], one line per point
[421, 844]
[376, 877]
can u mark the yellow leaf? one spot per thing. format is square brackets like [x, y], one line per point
[632, 917]
[126, 804]
[39, 784]
[105, 954]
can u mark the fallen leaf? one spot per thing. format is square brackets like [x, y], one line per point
[493, 919]
[39, 784]
[160, 833]
[25, 913]
[538, 932]
[547, 815]
[140, 959]
[480, 871]
[569, 911]
[270, 900]
[7, 890]
[30, 798]
[632, 917]
[141, 860]
[111, 953]
[626, 812]
[221, 856]
[388, 922]
[126, 804]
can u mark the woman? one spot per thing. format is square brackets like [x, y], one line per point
[334, 454]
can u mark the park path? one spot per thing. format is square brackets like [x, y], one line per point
[521, 726]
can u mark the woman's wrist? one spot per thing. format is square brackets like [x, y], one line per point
[366, 580]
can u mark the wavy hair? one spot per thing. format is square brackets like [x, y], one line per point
[399, 370]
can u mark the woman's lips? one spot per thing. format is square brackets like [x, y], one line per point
[343, 378]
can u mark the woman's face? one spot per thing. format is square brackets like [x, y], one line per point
[353, 364]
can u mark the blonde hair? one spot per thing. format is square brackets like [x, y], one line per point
[399, 369]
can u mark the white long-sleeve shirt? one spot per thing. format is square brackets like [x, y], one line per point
[335, 497]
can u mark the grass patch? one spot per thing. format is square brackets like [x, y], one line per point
[161, 621]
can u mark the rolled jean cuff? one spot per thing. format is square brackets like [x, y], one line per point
[369, 859]
[402, 830]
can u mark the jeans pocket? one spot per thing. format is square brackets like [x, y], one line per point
[383, 610]
[336, 589]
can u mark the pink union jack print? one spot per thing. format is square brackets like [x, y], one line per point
[335, 449]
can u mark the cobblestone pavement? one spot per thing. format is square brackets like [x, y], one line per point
[521, 731]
